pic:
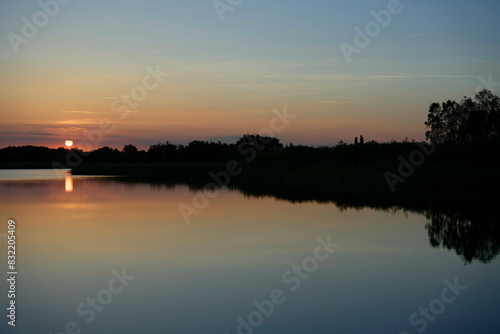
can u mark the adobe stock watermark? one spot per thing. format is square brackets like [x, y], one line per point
[292, 278]
[31, 28]
[223, 6]
[436, 307]
[488, 84]
[417, 157]
[372, 29]
[103, 297]
[233, 168]
[121, 107]
[408, 166]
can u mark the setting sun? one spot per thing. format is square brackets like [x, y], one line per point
[68, 143]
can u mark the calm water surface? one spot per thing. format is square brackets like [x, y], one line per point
[76, 235]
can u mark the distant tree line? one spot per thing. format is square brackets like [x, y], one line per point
[250, 147]
[466, 131]
[197, 151]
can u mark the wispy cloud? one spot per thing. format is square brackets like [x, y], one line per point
[78, 121]
[18, 133]
[46, 132]
[422, 76]
[77, 111]
[70, 128]
[362, 77]
[333, 102]
[87, 121]
[417, 35]
[152, 53]
[481, 61]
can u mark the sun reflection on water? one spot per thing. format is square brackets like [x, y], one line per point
[68, 184]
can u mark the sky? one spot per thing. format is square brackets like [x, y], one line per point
[84, 71]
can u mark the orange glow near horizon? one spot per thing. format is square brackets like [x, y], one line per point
[171, 113]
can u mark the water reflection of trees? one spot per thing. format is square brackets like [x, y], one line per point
[473, 235]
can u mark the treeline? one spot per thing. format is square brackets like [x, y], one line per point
[466, 131]
[195, 152]
[257, 149]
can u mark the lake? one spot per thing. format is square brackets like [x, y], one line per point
[101, 255]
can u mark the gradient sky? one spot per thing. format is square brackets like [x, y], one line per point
[227, 76]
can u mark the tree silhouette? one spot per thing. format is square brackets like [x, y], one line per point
[473, 120]
[130, 149]
[162, 152]
[261, 143]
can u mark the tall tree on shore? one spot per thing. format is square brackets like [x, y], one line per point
[473, 120]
